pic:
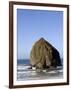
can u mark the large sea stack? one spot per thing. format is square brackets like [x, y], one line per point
[44, 55]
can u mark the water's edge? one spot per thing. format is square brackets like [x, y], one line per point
[24, 73]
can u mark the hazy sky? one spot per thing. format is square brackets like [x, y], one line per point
[34, 24]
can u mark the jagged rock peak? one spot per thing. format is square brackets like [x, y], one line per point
[41, 40]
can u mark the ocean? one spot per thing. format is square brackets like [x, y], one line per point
[25, 73]
[23, 61]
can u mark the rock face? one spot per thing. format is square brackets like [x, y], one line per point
[44, 55]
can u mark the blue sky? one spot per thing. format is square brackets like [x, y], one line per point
[34, 24]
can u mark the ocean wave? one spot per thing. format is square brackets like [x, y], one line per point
[24, 73]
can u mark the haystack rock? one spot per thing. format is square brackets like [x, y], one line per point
[44, 55]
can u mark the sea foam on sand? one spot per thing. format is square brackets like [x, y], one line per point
[24, 73]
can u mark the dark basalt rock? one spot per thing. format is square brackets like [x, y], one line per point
[44, 55]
